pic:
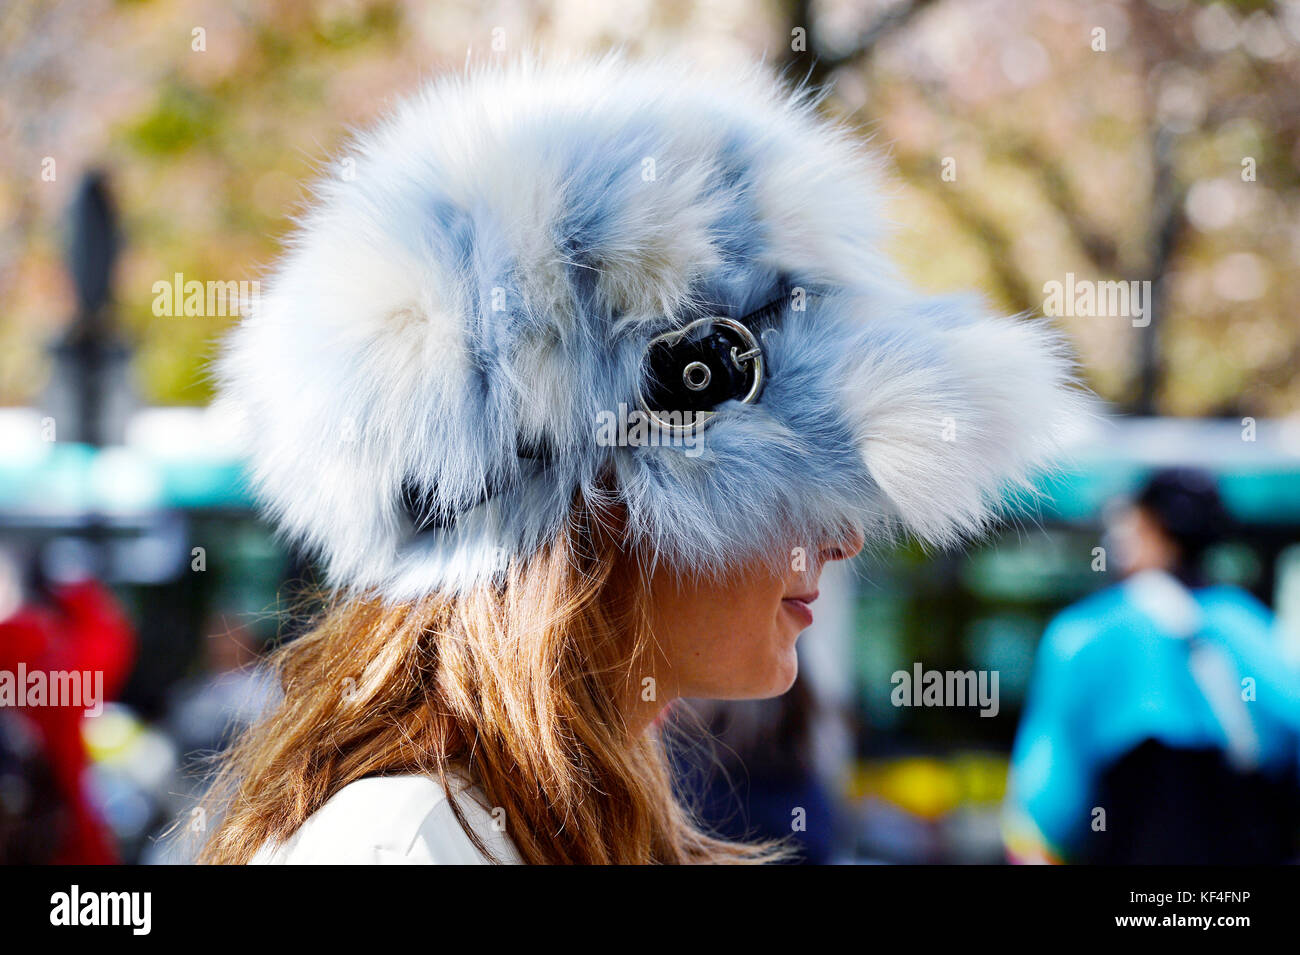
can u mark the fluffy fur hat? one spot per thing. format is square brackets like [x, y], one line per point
[484, 301]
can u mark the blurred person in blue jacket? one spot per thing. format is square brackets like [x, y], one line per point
[1163, 722]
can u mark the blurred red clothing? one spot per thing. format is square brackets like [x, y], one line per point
[85, 631]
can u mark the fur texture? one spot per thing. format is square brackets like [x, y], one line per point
[490, 271]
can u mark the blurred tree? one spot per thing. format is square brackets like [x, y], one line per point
[1176, 164]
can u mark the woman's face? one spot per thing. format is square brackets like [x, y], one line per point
[735, 639]
[1140, 543]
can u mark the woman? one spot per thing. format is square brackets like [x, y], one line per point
[575, 378]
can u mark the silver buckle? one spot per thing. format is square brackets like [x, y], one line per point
[753, 354]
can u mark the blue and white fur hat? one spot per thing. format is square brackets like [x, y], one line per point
[651, 279]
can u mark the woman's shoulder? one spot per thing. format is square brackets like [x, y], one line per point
[395, 820]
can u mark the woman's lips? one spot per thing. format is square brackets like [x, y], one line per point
[799, 607]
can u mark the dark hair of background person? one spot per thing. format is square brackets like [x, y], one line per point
[1186, 504]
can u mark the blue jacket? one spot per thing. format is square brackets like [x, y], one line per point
[1110, 676]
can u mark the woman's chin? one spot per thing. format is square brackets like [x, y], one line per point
[775, 679]
[783, 672]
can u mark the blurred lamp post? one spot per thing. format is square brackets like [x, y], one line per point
[89, 395]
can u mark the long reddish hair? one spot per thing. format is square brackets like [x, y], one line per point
[520, 684]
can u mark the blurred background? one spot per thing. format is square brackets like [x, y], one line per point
[153, 154]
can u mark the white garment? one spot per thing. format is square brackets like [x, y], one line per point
[394, 820]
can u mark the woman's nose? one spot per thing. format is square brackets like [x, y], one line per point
[846, 547]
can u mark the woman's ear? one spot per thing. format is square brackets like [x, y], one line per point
[950, 411]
